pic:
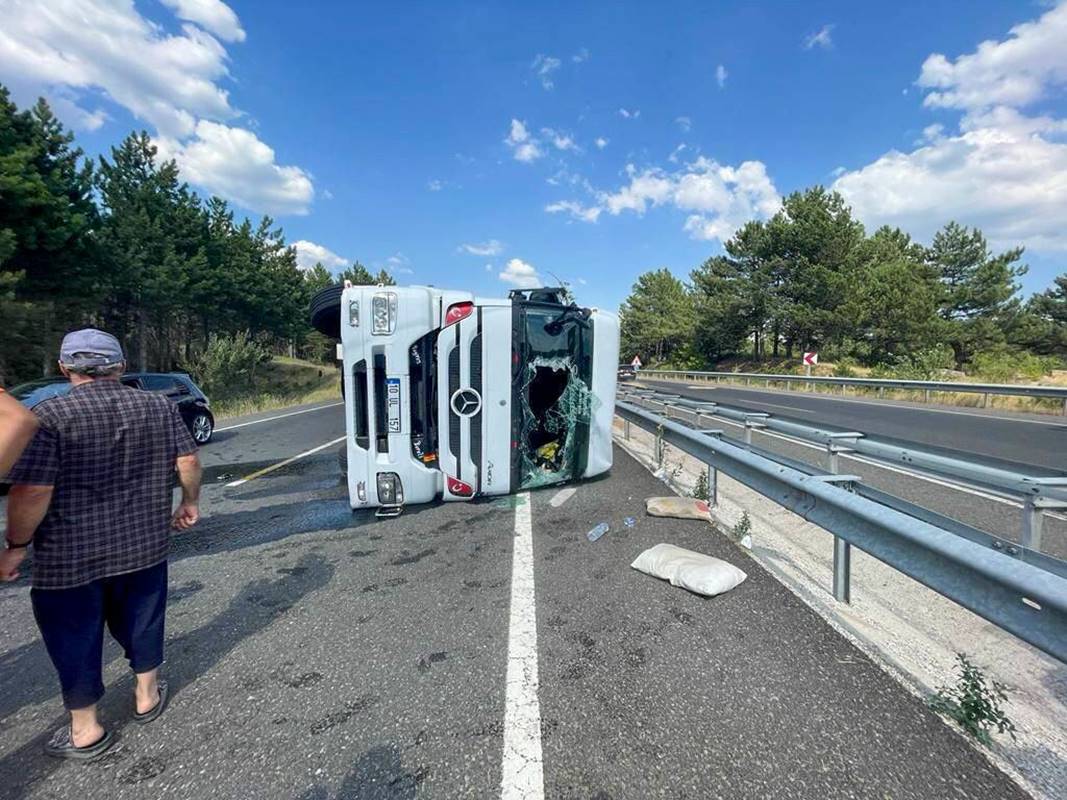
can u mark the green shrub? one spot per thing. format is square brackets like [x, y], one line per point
[845, 368]
[923, 365]
[974, 703]
[227, 366]
[1003, 366]
[702, 491]
[742, 528]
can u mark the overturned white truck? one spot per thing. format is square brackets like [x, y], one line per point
[452, 395]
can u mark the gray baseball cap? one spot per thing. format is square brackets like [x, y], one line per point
[90, 348]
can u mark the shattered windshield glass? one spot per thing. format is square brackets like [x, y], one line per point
[555, 401]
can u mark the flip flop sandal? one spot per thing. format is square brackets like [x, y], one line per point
[61, 745]
[155, 710]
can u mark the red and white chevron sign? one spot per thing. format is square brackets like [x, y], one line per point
[811, 359]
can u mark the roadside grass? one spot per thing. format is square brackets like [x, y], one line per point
[281, 383]
[1037, 405]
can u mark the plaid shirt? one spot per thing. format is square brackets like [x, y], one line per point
[110, 453]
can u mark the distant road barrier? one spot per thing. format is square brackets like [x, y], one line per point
[880, 384]
[1025, 597]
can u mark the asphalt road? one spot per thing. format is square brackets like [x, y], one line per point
[316, 654]
[1022, 440]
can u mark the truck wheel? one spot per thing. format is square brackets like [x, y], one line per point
[325, 310]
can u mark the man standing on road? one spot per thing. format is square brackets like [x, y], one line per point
[93, 493]
[17, 426]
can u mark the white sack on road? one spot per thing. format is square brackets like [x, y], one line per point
[696, 572]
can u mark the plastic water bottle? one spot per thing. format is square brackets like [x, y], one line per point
[597, 532]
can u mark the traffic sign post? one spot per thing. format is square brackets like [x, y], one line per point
[809, 360]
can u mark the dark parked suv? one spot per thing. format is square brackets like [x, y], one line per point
[177, 386]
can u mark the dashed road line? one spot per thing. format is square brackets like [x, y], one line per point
[279, 416]
[280, 464]
[522, 770]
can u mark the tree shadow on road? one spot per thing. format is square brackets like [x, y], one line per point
[251, 611]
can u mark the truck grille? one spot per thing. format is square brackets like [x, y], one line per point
[476, 384]
[453, 387]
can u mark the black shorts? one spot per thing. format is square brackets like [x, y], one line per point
[72, 621]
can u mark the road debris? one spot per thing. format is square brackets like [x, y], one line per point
[629, 522]
[597, 532]
[699, 573]
[562, 496]
[680, 507]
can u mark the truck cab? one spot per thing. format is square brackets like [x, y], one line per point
[454, 396]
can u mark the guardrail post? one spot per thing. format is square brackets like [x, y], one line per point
[626, 429]
[842, 549]
[926, 395]
[1065, 406]
[1033, 522]
[713, 486]
[985, 399]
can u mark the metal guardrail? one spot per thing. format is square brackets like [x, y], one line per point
[985, 389]
[1021, 597]
[1036, 493]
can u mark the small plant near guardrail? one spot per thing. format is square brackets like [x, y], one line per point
[974, 702]
[741, 528]
[701, 490]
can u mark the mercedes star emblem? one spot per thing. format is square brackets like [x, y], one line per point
[466, 402]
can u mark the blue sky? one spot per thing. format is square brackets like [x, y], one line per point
[408, 138]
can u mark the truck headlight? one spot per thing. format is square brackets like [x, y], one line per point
[383, 313]
[390, 490]
[353, 313]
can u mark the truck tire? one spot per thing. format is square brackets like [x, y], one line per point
[326, 311]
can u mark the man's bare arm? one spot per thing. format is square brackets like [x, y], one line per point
[26, 507]
[17, 426]
[189, 473]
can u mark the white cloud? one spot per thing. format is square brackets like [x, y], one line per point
[629, 114]
[490, 248]
[520, 274]
[213, 16]
[720, 198]
[821, 38]
[308, 253]
[434, 185]
[234, 163]
[837, 172]
[721, 75]
[523, 146]
[489, 268]
[576, 210]
[684, 123]
[601, 142]
[398, 264]
[1015, 72]
[76, 52]
[560, 141]
[676, 152]
[543, 67]
[1003, 169]
[580, 56]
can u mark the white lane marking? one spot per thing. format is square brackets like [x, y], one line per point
[883, 404]
[280, 464]
[279, 416]
[522, 771]
[562, 496]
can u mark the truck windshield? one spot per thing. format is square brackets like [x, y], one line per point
[553, 398]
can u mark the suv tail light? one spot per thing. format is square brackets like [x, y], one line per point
[458, 311]
[459, 488]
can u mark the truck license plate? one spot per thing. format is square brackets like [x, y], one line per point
[392, 401]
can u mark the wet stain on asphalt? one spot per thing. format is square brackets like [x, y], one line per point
[307, 679]
[406, 557]
[179, 593]
[351, 709]
[426, 662]
[143, 769]
[361, 553]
